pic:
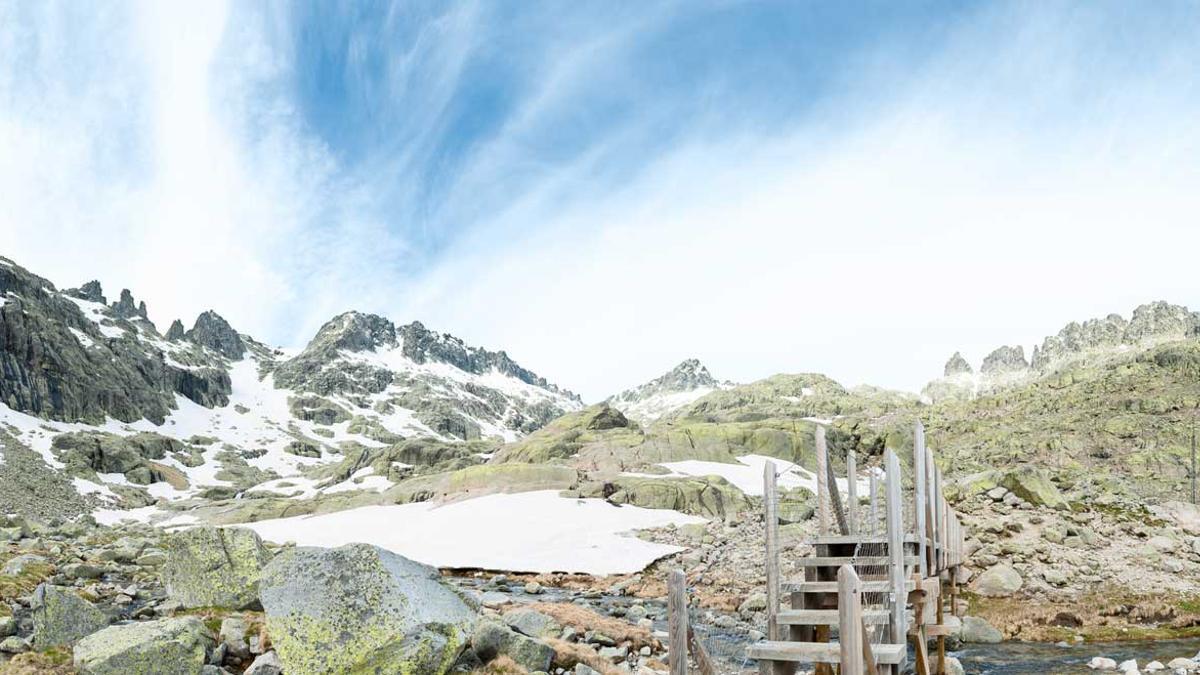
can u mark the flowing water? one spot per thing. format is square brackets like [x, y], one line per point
[1027, 658]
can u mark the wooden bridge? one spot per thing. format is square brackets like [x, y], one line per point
[883, 585]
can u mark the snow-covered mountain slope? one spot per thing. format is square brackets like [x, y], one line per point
[682, 386]
[130, 416]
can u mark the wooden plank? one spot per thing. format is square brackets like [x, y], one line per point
[895, 536]
[835, 539]
[828, 617]
[770, 501]
[850, 621]
[852, 491]
[874, 586]
[857, 561]
[819, 652]
[874, 513]
[677, 624]
[931, 513]
[822, 482]
[919, 504]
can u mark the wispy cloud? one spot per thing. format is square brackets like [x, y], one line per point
[604, 192]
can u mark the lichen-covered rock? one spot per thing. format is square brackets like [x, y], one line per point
[492, 639]
[60, 617]
[977, 630]
[215, 567]
[710, 496]
[361, 609]
[164, 647]
[1034, 486]
[998, 581]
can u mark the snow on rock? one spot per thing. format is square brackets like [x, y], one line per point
[525, 532]
[748, 475]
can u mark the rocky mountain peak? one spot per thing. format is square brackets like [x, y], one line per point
[670, 391]
[1161, 320]
[213, 331]
[126, 307]
[175, 332]
[957, 365]
[356, 332]
[1006, 359]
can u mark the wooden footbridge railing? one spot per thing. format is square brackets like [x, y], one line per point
[880, 585]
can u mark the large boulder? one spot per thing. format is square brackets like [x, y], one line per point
[998, 581]
[492, 639]
[60, 617]
[361, 609]
[215, 567]
[977, 630]
[165, 647]
[1034, 486]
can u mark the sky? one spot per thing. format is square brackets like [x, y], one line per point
[603, 189]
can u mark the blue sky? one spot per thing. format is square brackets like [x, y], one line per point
[604, 188]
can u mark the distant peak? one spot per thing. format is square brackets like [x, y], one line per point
[957, 365]
[355, 331]
[213, 331]
[127, 307]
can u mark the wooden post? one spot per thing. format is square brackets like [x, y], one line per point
[677, 624]
[895, 537]
[850, 621]
[941, 640]
[770, 501]
[919, 493]
[852, 491]
[931, 513]
[874, 488]
[822, 483]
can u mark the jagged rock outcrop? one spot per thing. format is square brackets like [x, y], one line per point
[679, 387]
[213, 331]
[127, 308]
[1003, 360]
[58, 362]
[957, 365]
[447, 403]
[175, 333]
[422, 346]
[91, 291]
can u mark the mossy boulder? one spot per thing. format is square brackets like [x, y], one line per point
[214, 567]
[164, 647]
[709, 496]
[492, 639]
[60, 617]
[360, 609]
[998, 581]
[1034, 486]
[168, 646]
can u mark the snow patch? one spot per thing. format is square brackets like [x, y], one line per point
[526, 532]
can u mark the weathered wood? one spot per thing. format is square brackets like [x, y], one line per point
[869, 654]
[918, 599]
[822, 482]
[835, 499]
[703, 661]
[852, 491]
[931, 513]
[770, 501]
[874, 488]
[941, 636]
[919, 504]
[828, 617]
[818, 652]
[677, 624]
[850, 621]
[895, 537]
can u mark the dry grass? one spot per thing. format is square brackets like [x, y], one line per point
[49, 662]
[1099, 617]
[501, 665]
[583, 619]
[567, 654]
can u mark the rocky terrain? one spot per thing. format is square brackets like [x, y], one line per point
[121, 446]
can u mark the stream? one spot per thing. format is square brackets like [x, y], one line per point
[727, 645]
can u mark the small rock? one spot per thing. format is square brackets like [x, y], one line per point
[1182, 664]
[1102, 663]
[1129, 666]
[533, 588]
[267, 664]
[22, 562]
[13, 645]
[977, 630]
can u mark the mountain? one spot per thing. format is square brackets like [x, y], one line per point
[132, 415]
[1089, 341]
[679, 387]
